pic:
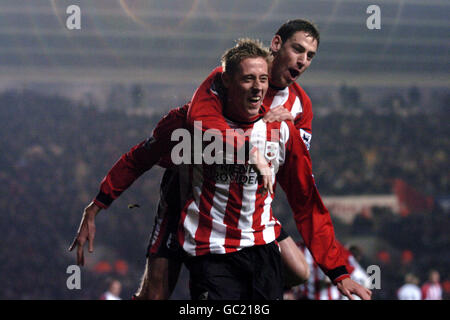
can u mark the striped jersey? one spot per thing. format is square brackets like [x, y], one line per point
[226, 215]
[318, 286]
[227, 211]
[431, 291]
[211, 220]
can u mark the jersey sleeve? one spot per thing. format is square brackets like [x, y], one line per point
[141, 158]
[312, 218]
[126, 170]
[304, 120]
[206, 112]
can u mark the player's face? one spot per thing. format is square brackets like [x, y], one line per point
[246, 88]
[291, 58]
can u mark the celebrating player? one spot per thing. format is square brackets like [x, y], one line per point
[227, 226]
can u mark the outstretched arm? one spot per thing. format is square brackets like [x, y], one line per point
[312, 217]
[86, 232]
[125, 171]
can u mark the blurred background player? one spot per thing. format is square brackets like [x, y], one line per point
[113, 292]
[319, 286]
[410, 290]
[432, 289]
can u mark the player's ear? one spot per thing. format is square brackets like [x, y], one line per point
[226, 79]
[276, 43]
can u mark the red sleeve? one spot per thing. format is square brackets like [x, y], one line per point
[207, 107]
[311, 216]
[126, 170]
[304, 120]
[141, 158]
[175, 119]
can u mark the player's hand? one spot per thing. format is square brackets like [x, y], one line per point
[278, 113]
[262, 167]
[347, 287]
[86, 231]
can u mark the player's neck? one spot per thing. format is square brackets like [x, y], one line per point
[275, 87]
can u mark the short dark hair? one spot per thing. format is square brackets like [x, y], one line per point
[292, 26]
[244, 48]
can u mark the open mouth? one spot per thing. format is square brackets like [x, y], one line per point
[255, 99]
[294, 72]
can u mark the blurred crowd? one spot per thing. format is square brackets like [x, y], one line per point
[362, 153]
[56, 151]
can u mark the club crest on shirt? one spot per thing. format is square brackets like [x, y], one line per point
[271, 151]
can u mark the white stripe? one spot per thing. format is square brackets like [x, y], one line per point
[296, 107]
[190, 223]
[219, 205]
[269, 231]
[190, 227]
[257, 138]
[246, 215]
[284, 138]
[280, 98]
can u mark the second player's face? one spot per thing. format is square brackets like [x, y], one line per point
[291, 58]
[247, 88]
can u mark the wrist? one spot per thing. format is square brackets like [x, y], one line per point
[93, 208]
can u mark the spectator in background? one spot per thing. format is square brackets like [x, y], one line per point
[410, 290]
[114, 289]
[432, 290]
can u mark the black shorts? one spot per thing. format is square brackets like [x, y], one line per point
[163, 240]
[253, 273]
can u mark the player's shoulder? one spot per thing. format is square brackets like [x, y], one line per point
[214, 76]
[206, 88]
[174, 119]
[179, 112]
[300, 92]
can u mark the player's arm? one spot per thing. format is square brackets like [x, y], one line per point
[206, 107]
[303, 122]
[206, 113]
[311, 216]
[121, 176]
[140, 158]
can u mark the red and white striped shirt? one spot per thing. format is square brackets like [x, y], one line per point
[227, 212]
[431, 291]
[318, 286]
[222, 218]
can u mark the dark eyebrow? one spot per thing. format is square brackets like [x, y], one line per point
[299, 47]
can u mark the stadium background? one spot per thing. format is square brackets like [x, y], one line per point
[72, 101]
